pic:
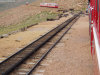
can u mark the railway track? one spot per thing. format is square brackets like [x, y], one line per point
[28, 58]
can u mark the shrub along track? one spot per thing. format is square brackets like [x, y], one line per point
[28, 58]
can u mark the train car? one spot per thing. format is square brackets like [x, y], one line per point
[51, 5]
[94, 28]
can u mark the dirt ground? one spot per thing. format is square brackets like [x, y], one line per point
[72, 55]
[15, 42]
[18, 14]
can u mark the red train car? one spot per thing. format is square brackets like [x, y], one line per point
[94, 17]
[51, 5]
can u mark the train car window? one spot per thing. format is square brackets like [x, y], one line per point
[98, 14]
[98, 5]
[95, 4]
[89, 1]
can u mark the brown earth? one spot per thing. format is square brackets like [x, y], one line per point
[15, 42]
[72, 56]
[18, 14]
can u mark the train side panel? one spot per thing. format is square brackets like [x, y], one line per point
[95, 33]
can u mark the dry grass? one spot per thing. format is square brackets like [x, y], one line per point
[25, 15]
[29, 21]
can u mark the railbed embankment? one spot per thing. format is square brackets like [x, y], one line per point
[72, 56]
[15, 42]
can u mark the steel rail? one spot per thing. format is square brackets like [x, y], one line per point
[37, 44]
[44, 55]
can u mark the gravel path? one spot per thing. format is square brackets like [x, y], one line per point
[72, 55]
